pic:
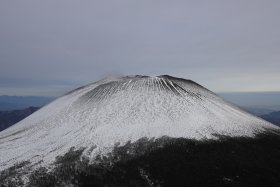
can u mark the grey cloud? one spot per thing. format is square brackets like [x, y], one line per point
[81, 41]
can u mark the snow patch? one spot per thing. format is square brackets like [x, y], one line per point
[122, 109]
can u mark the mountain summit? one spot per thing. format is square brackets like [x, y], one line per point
[117, 110]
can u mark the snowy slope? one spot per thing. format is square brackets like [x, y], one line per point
[121, 109]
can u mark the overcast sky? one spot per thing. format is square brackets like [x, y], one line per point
[49, 47]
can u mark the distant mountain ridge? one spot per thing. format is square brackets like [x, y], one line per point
[268, 100]
[9, 118]
[21, 102]
[273, 117]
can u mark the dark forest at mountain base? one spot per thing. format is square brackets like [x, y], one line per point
[166, 162]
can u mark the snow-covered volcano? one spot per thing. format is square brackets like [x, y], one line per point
[117, 110]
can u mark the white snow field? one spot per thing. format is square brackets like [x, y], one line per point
[122, 109]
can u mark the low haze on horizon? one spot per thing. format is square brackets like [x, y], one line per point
[51, 47]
